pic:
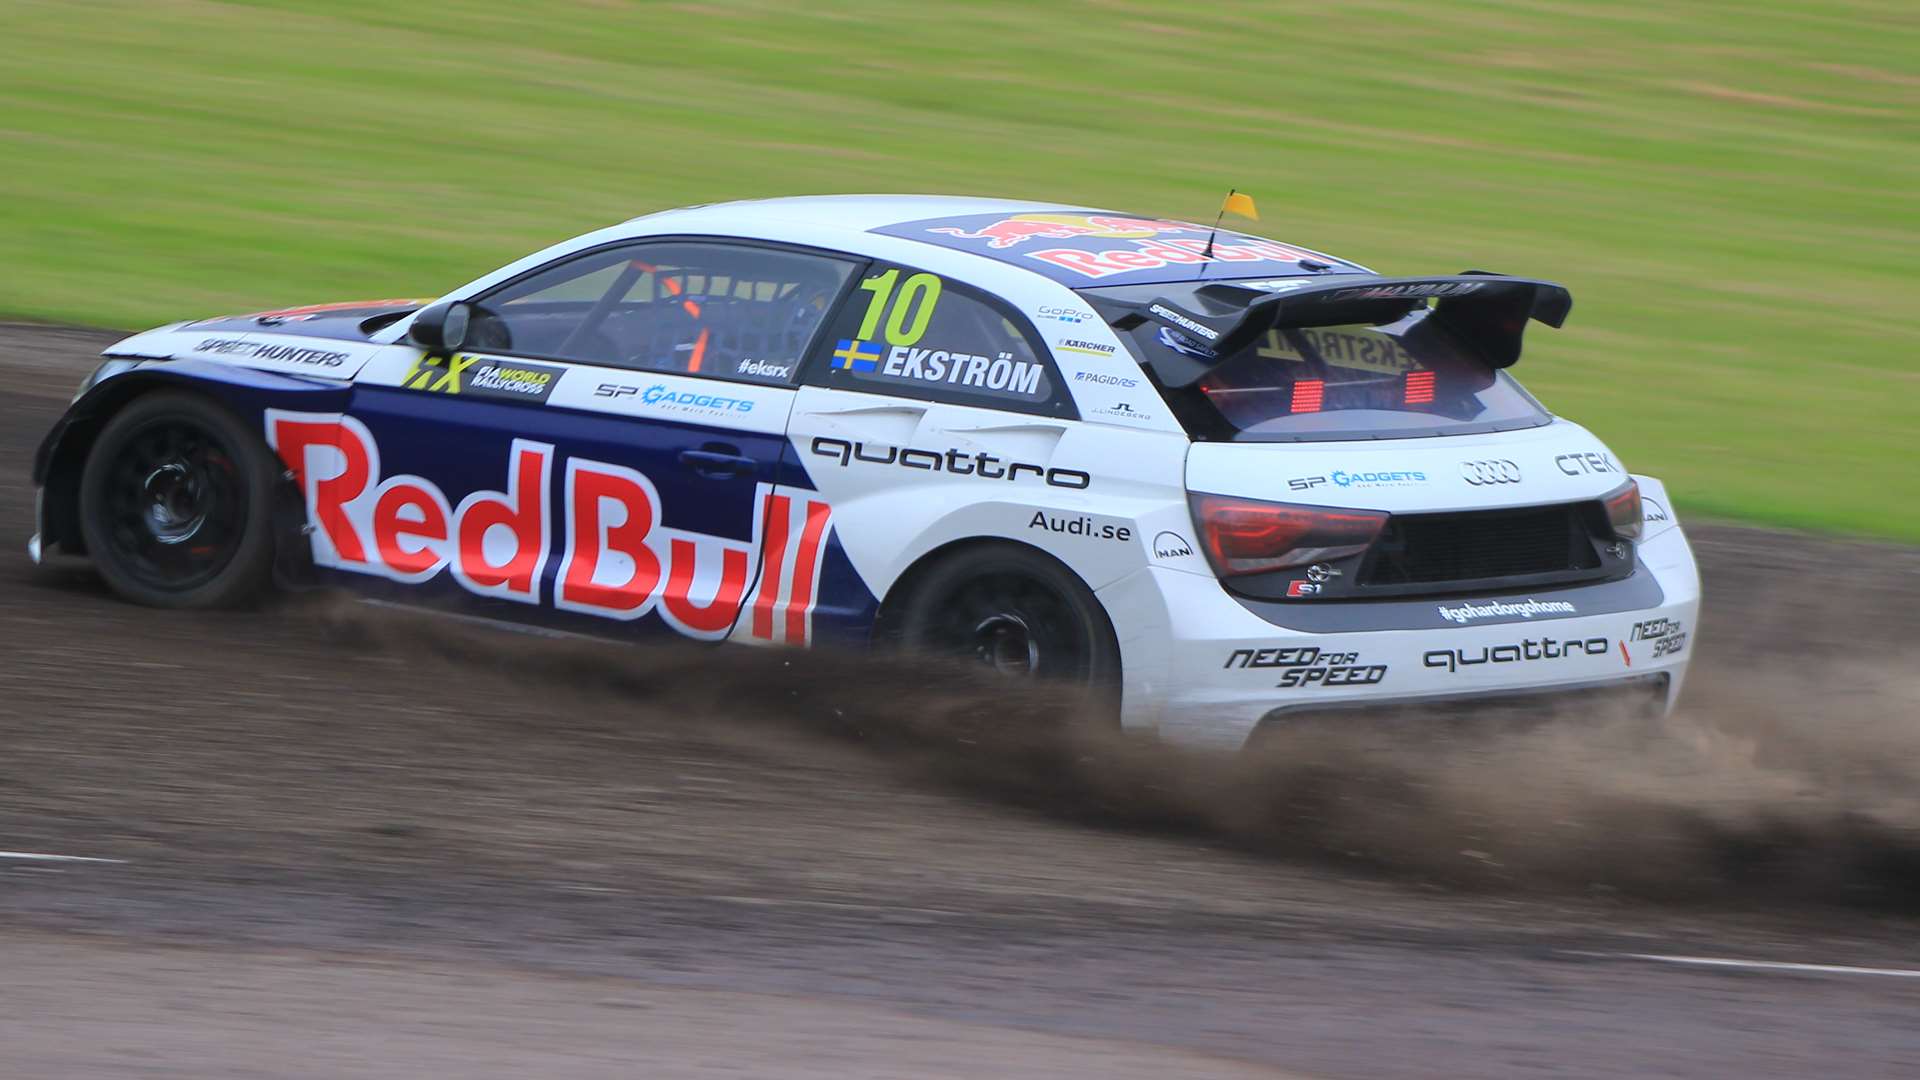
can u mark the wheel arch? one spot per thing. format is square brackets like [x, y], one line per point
[886, 621]
[63, 453]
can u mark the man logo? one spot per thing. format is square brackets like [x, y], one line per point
[1171, 546]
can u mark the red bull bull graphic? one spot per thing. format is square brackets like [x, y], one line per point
[1011, 231]
[1112, 249]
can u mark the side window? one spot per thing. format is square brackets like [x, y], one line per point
[908, 332]
[725, 311]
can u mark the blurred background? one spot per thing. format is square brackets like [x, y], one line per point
[1729, 188]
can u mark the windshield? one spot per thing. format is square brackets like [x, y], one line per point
[1404, 379]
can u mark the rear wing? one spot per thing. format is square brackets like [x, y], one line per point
[1488, 312]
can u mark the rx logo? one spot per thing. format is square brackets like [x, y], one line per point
[434, 376]
[1484, 473]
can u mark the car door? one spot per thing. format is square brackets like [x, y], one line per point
[925, 401]
[603, 451]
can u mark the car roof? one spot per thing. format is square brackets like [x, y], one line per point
[1078, 246]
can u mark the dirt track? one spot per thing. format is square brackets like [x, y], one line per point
[370, 844]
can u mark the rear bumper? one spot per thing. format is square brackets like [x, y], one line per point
[1638, 696]
[1204, 670]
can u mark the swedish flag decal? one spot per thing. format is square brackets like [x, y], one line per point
[852, 355]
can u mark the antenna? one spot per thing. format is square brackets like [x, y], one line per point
[1217, 218]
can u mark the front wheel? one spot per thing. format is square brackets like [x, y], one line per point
[1014, 611]
[176, 504]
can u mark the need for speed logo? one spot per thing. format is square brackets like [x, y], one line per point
[1308, 665]
[1669, 636]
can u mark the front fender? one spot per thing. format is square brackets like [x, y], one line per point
[63, 452]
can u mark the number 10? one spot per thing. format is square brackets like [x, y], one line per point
[917, 298]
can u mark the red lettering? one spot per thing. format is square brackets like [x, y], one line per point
[1176, 251]
[393, 526]
[608, 569]
[296, 439]
[1090, 263]
[805, 563]
[716, 616]
[773, 563]
[503, 536]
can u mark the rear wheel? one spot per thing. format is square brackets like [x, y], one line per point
[176, 502]
[1016, 612]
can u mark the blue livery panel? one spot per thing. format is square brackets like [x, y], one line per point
[569, 519]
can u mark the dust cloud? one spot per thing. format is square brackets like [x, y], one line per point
[1774, 783]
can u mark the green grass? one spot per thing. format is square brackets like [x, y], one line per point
[1729, 188]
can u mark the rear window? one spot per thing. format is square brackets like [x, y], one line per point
[1404, 379]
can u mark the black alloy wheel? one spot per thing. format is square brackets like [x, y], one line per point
[175, 504]
[1014, 611]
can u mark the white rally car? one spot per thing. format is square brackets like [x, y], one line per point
[1229, 479]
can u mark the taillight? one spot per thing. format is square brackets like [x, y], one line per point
[1624, 512]
[1245, 536]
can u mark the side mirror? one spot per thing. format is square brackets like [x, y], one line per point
[442, 328]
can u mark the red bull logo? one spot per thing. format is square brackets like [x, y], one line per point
[1018, 229]
[616, 560]
[1154, 254]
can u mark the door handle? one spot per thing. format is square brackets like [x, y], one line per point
[718, 461]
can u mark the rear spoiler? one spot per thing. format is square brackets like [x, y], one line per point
[1487, 311]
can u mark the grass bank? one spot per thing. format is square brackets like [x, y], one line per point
[1728, 187]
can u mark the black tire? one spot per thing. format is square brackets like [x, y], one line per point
[1015, 610]
[176, 504]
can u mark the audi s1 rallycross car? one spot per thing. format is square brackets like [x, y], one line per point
[1226, 479]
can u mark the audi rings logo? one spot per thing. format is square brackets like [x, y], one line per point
[1483, 473]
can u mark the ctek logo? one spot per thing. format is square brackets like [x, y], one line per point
[1586, 462]
[616, 560]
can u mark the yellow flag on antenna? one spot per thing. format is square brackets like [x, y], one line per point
[1240, 203]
